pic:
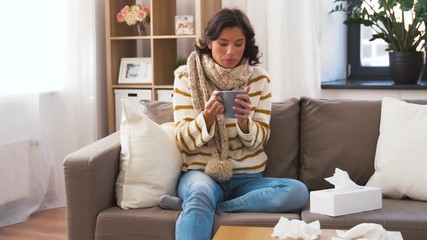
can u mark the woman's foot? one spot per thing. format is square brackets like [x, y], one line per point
[170, 203]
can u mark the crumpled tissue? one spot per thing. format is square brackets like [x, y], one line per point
[296, 229]
[342, 181]
[368, 231]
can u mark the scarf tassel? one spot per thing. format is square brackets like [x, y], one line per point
[219, 170]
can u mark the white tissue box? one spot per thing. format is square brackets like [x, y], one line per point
[333, 203]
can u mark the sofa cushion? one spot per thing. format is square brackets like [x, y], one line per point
[400, 150]
[337, 134]
[148, 223]
[150, 161]
[282, 147]
[407, 216]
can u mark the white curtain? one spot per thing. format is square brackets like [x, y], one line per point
[52, 99]
[302, 44]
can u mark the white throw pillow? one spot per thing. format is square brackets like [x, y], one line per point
[401, 155]
[150, 162]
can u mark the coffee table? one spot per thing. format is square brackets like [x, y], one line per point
[264, 233]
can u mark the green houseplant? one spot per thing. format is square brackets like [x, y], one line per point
[401, 24]
[179, 61]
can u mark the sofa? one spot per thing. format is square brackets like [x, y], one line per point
[309, 139]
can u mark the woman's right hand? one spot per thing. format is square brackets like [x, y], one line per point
[213, 107]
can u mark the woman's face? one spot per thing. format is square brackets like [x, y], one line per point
[228, 48]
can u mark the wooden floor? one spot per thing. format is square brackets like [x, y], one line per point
[45, 225]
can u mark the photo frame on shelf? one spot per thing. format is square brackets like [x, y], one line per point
[184, 25]
[135, 70]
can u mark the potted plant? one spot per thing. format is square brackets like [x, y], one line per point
[180, 60]
[401, 24]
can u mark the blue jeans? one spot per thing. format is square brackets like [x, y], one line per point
[201, 196]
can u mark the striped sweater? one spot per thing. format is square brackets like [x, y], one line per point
[246, 150]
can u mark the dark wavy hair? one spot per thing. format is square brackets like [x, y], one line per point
[230, 18]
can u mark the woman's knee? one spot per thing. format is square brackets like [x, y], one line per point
[204, 192]
[291, 195]
[201, 191]
[298, 194]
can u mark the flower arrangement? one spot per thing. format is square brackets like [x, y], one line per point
[135, 15]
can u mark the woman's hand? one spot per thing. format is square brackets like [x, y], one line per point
[213, 107]
[245, 101]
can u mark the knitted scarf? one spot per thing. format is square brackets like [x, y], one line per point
[205, 76]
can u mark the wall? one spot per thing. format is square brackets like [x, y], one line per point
[101, 84]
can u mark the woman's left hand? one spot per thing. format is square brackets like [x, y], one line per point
[245, 101]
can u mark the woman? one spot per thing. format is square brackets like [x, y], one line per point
[224, 157]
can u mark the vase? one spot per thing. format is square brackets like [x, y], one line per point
[406, 67]
[142, 28]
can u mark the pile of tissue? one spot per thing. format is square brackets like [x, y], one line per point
[296, 229]
[368, 231]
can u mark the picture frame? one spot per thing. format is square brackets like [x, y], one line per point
[135, 70]
[184, 25]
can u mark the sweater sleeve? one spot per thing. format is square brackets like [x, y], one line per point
[190, 127]
[259, 119]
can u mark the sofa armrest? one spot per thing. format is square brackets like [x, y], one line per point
[90, 178]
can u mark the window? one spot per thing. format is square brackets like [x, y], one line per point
[366, 60]
[33, 46]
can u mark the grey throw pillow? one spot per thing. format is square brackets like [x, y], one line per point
[158, 111]
[283, 146]
[337, 134]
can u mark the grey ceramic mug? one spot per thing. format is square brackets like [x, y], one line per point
[228, 99]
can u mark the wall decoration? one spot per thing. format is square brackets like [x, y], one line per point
[184, 25]
[135, 70]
